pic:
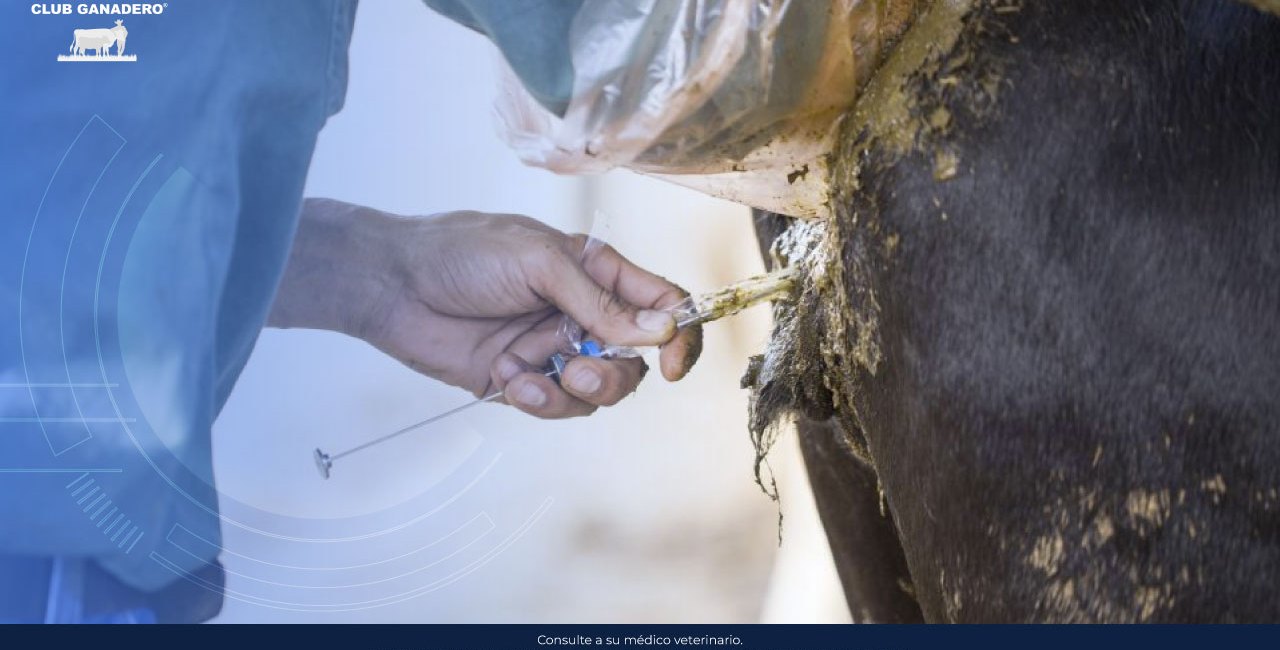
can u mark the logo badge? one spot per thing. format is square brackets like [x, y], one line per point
[96, 45]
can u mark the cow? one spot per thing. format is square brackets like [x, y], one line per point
[98, 40]
[1036, 364]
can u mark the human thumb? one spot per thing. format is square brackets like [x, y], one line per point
[600, 311]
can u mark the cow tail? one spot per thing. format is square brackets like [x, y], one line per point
[72, 49]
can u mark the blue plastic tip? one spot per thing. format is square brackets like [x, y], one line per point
[589, 349]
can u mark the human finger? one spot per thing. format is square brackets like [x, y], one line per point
[603, 382]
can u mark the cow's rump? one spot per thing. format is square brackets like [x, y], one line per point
[1048, 318]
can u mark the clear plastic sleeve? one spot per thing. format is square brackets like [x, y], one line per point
[738, 98]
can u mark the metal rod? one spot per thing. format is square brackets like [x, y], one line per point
[487, 398]
[324, 461]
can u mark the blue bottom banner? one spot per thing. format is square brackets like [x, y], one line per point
[577, 637]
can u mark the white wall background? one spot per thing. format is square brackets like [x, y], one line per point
[644, 512]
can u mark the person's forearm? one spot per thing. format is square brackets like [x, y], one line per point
[337, 272]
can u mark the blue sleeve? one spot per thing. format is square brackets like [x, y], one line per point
[533, 36]
[150, 205]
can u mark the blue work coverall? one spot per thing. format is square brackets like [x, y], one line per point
[149, 210]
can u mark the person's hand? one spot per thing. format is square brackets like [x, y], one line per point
[476, 300]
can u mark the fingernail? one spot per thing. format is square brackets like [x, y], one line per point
[531, 395]
[507, 369]
[653, 321]
[585, 380]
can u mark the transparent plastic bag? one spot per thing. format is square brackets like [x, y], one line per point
[737, 98]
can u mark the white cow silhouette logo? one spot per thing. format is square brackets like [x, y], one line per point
[99, 42]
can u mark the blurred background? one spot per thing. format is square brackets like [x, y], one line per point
[646, 512]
